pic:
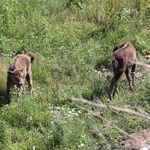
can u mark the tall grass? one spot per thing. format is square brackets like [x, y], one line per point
[73, 46]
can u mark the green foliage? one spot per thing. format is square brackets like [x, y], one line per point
[73, 42]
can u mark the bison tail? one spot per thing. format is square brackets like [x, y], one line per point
[31, 55]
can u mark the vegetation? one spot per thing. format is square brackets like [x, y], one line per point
[73, 42]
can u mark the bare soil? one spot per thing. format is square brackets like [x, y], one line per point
[141, 139]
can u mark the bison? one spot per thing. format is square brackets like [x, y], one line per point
[123, 58]
[19, 71]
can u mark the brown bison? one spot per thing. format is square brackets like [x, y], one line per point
[19, 71]
[123, 58]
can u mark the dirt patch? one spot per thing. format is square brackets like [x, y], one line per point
[141, 139]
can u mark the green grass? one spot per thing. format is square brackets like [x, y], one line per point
[70, 42]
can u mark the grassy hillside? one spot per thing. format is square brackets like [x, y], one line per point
[73, 42]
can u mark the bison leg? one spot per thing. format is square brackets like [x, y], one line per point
[29, 80]
[116, 89]
[129, 79]
[8, 93]
[113, 85]
[133, 73]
